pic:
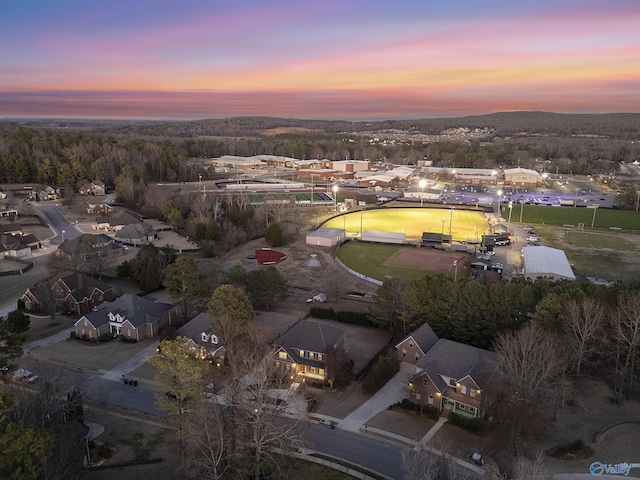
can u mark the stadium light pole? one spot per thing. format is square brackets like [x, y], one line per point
[638, 201]
[312, 189]
[510, 209]
[335, 196]
[423, 183]
[593, 220]
[450, 220]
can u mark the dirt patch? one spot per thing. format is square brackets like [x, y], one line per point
[339, 402]
[426, 259]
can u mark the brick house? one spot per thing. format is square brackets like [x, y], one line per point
[132, 316]
[81, 293]
[304, 350]
[450, 376]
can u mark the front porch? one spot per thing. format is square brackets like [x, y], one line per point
[459, 408]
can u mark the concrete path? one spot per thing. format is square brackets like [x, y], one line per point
[123, 369]
[429, 435]
[58, 337]
[393, 392]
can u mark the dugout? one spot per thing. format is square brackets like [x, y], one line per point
[434, 240]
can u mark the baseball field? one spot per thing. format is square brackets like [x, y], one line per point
[461, 224]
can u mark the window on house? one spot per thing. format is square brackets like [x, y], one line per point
[315, 356]
[417, 356]
[472, 410]
[418, 396]
[282, 355]
[321, 371]
[463, 389]
[321, 357]
[430, 399]
[302, 353]
[452, 382]
[461, 406]
[85, 322]
[425, 382]
[404, 352]
[411, 345]
[472, 392]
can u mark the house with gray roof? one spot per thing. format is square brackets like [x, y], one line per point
[453, 377]
[416, 344]
[81, 293]
[87, 246]
[132, 316]
[304, 350]
[136, 234]
[201, 337]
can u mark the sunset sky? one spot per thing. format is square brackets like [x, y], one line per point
[346, 59]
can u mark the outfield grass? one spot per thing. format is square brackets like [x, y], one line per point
[595, 240]
[604, 217]
[464, 224]
[369, 259]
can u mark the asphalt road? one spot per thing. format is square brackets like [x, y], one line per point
[58, 223]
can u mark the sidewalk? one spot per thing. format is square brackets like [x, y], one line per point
[393, 392]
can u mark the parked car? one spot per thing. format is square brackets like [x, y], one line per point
[25, 375]
[532, 239]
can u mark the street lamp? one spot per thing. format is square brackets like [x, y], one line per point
[423, 183]
[62, 236]
[455, 274]
[638, 201]
[499, 192]
[335, 196]
[200, 180]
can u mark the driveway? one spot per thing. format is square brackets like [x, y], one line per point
[393, 392]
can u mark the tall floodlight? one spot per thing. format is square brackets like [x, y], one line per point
[423, 183]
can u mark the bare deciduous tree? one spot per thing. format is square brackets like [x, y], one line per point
[532, 366]
[626, 337]
[583, 325]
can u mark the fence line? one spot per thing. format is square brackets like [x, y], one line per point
[359, 275]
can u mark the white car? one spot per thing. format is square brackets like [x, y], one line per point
[532, 239]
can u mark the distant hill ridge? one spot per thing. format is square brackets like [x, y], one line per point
[624, 126]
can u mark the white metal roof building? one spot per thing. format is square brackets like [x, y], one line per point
[326, 237]
[546, 262]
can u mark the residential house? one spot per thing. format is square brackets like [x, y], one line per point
[17, 246]
[132, 316]
[454, 377]
[48, 193]
[416, 345]
[122, 218]
[11, 229]
[94, 188]
[81, 293]
[305, 349]
[136, 234]
[201, 337]
[87, 246]
[99, 209]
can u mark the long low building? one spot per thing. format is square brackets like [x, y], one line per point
[383, 237]
[546, 262]
[326, 237]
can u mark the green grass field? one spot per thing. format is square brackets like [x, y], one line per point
[413, 222]
[596, 240]
[369, 258]
[604, 217]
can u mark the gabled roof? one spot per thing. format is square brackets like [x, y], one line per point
[10, 228]
[124, 217]
[85, 243]
[424, 337]
[135, 231]
[546, 261]
[457, 360]
[137, 310]
[82, 286]
[194, 327]
[309, 336]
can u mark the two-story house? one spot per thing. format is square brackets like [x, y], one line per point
[132, 316]
[81, 293]
[305, 350]
[201, 337]
[451, 376]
